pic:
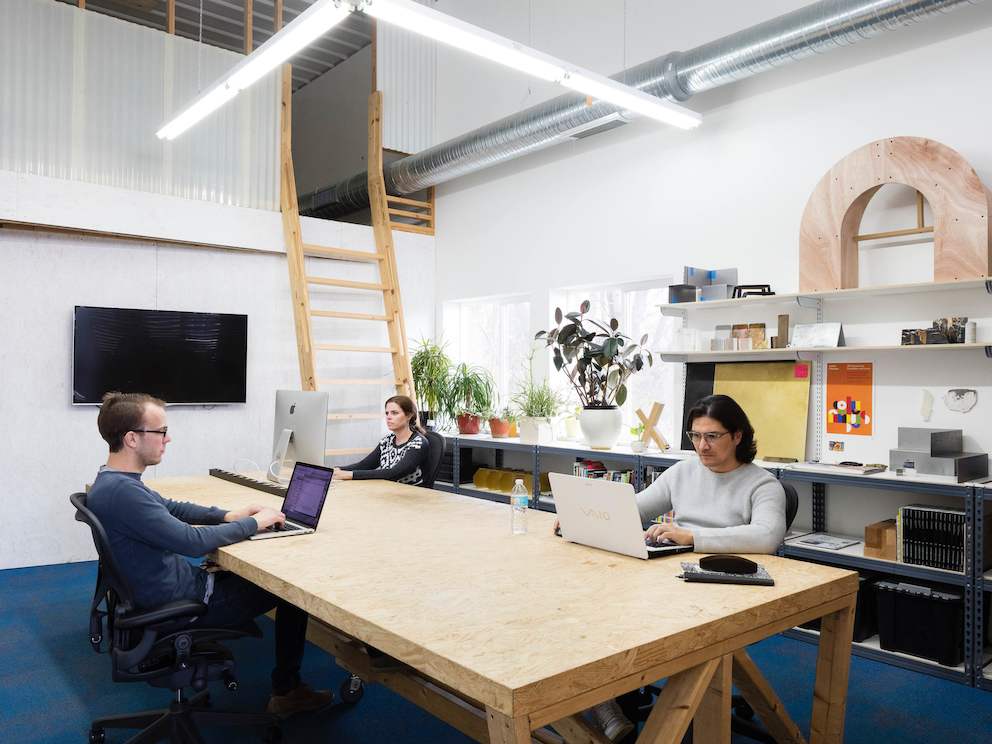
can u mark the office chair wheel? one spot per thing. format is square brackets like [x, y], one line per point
[352, 690]
[97, 736]
[742, 709]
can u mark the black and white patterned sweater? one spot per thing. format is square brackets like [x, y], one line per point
[402, 463]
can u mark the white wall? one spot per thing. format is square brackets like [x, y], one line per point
[330, 124]
[51, 448]
[644, 200]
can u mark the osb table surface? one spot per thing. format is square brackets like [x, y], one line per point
[516, 622]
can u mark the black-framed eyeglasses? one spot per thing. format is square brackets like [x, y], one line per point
[711, 437]
[164, 431]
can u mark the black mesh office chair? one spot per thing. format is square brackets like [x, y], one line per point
[637, 705]
[434, 454]
[158, 646]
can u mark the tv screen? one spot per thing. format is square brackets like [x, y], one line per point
[176, 356]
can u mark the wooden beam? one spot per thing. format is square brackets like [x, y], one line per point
[342, 254]
[346, 315]
[833, 664]
[170, 17]
[277, 15]
[677, 704]
[895, 233]
[409, 202]
[412, 228]
[577, 730]
[347, 347]
[82, 4]
[766, 703]
[711, 724]
[422, 216]
[347, 283]
[249, 26]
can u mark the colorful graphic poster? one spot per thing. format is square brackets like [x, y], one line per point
[849, 398]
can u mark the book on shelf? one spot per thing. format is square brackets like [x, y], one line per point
[824, 541]
[596, 469]
[932, 536]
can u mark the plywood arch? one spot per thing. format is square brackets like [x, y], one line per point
[960, 202]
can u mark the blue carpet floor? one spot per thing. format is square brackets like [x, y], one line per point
[52, 684]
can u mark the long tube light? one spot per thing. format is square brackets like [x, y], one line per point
[305, 28]
[324, 14]
[445, 29]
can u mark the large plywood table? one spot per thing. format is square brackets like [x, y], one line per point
[503, 635]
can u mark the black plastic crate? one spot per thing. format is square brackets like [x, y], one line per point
[865, 612]
[921, 621]
[466, 468]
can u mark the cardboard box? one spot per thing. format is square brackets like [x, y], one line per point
[880, 540]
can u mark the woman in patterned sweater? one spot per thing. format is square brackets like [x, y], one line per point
[400, 455]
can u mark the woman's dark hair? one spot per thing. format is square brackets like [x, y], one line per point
[725, 409]
[408, 407]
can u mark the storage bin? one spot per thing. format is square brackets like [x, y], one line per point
[921, 621]
[865, 612]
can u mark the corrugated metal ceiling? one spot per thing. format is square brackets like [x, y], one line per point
[223, 26]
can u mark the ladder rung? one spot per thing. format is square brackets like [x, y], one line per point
[408, 202]
[354, 416]
[333, 452]
[423, 216]
[341, 347]
[350, 316]
[361, 381]
[411, 228]
[345, 283]
[343, 254]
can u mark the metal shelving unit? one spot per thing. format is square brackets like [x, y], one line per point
[983, 587]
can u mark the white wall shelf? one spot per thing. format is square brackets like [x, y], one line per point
[804, 299]
[795, 353]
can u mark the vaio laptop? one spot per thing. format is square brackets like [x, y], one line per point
[303, 503]
[603, 514]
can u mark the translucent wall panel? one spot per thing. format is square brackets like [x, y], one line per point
[406, 74]
[82, 95]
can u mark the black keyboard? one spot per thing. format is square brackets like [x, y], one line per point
[243, 480]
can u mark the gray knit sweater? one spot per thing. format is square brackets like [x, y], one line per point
[742, 511]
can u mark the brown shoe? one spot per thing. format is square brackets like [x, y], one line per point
[299, 700]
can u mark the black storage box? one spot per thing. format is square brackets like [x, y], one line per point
[865, 612]
[921, 621]
[466, 468]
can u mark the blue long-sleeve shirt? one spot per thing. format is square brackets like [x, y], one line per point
[149, 535]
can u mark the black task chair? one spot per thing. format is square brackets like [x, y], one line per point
[160, 647]
[434, 454]
[637, 704]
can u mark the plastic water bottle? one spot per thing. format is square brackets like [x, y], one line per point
[518, 508]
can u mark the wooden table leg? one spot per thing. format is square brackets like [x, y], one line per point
[711, 724]
[506, 730]
[677, 704]
[760, 696]
[832, 666]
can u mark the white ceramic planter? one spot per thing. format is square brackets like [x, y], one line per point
[535, 430]
[601, 426]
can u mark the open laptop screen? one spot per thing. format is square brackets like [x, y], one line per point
[306, 493]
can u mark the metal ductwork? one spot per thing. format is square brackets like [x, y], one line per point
[811, 30]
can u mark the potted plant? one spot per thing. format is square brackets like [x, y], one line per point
[537, 405]
[598, 360]
[429, 365]
[469, 395]
[636, 444]
[499, 423]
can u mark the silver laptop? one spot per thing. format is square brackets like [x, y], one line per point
[603, 514]
[303, 503]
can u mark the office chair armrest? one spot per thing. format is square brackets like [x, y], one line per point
[171, 611]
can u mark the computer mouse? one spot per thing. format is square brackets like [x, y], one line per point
[728, 564]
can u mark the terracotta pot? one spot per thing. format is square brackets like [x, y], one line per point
[499, 428]
[468, 424]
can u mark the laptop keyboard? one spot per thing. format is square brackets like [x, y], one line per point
[287, 527]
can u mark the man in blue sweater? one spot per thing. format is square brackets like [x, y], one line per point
[149, 535]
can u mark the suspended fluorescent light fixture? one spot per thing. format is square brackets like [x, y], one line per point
[304, 29]
[445, 29]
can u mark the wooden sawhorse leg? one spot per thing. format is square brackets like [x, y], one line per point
[833, 663]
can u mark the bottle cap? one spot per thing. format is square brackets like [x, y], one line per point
[518, 480]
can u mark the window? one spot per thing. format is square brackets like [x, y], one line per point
[495, 334]
[635, 306]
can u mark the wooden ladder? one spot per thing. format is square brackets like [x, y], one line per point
[300, 281]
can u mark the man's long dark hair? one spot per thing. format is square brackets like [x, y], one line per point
[726, 410]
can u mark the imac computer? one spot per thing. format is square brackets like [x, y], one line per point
[300, 430]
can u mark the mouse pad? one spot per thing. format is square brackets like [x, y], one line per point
[692, 572]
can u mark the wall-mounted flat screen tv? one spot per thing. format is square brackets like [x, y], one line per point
[179, 357]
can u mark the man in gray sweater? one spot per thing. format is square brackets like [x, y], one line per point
[149, 535]
[723, 502]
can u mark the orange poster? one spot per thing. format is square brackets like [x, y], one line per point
[849, 398]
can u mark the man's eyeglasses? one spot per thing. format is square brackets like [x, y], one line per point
[164, 431]
[711, 437]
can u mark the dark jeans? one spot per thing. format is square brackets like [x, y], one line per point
[236, 601]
